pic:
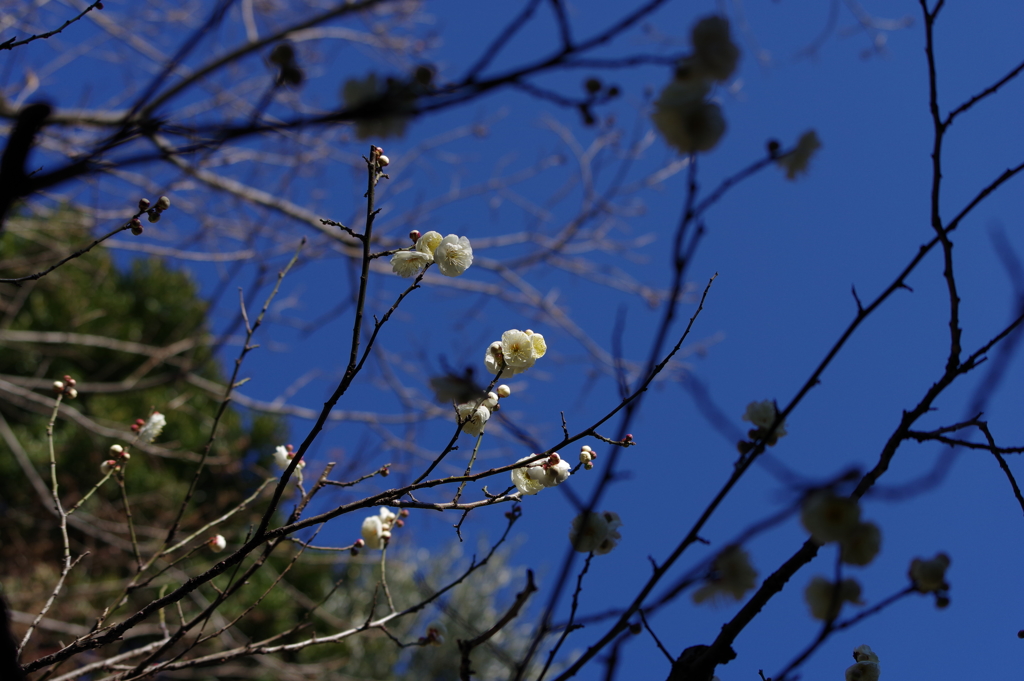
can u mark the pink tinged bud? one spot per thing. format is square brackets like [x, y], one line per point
[385, 471]
[384, 160]
[404, 513]
[70, 381]
[58, 387]
[589, 466]
[143, 204]
[628, 438]
[135, 427]
[400, 523]
[359, 543]
[72, 393]
[378, 151]
[108, 467]
[414, 235]
[126, 456]
[554, 458]
[217, 543]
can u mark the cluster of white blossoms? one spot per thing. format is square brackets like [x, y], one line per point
[376, 529]
[453, 255]
[762, 415]
[796, 161]
[474, 415]
[283, 456]
[540, 474]
[516, 352]
[865, 666]
[731, 576]
[683, 113]
[595, 532]
[825, 599]
[832, 518]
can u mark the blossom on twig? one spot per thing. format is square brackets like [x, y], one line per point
[544, 473]
[731, 576]
[865, 667]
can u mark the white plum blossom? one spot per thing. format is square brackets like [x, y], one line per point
[453, 255]
[796, 161]
[595, 532]
[408, 264]
[428, 243]
[283, 456]
[865, 667]
[376, 529]
[516, 352]
[731, 576]
[153, 426]
[540, 474]
[473, 418]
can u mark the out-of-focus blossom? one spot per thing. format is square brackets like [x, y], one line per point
[217, 543]
[387, 119]
[714, 53]
[797, 161]
[376, 529]
[688, 123]
[595, 532]
[153, 427]
[283, 456]
[762, 415]
[865, 667]
[930, 575]
[829, 517]
[862, 545]
[823, 600]
[732, 575]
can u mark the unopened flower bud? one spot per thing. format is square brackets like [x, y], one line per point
[126, 456]
[628, 438]
[217, 543]
[72, 393]
[136, 226]
[153, 215]
[143, 204]
[108, 467]
[383, 160]
[414, 235]
[162, 204]
[386, 471]
[554, 458]
[400, 523]
[58, 387]
[70, 381]
[359, 543]
[378, 151]
[585, 457]
[503, 390]
[404, 513]
[116, 450]
[588, 466]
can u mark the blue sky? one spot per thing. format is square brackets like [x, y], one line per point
[786, 255]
